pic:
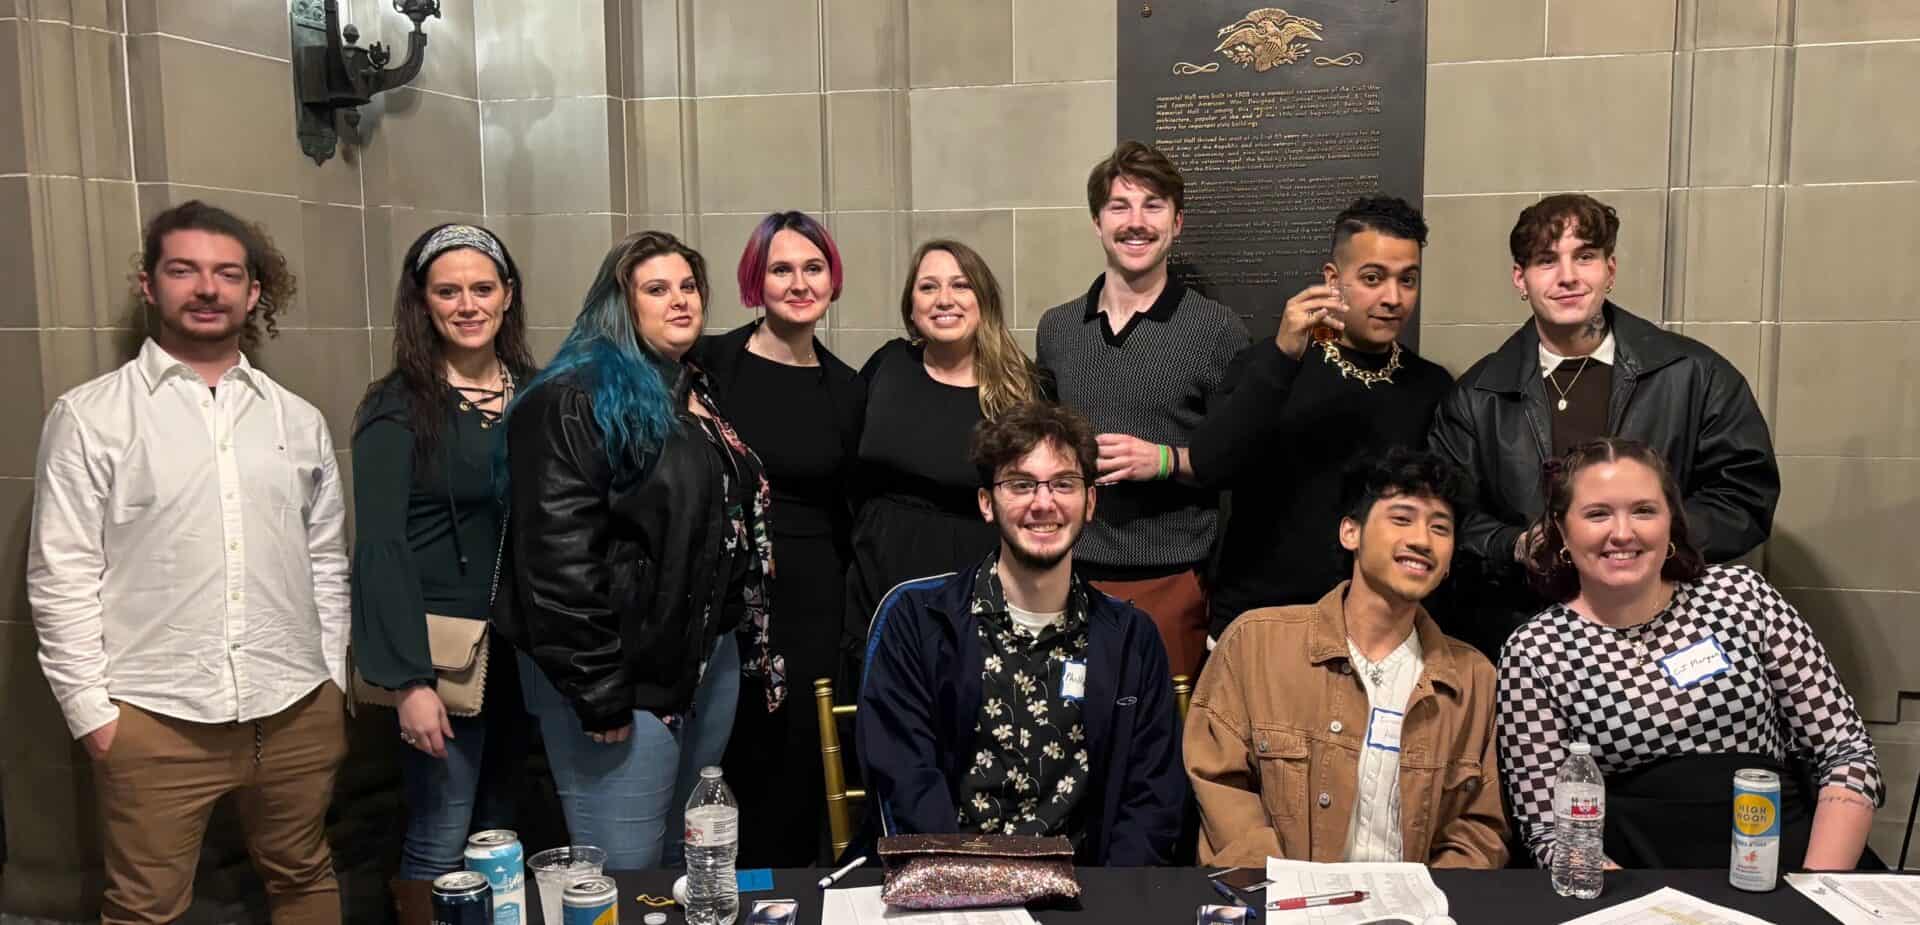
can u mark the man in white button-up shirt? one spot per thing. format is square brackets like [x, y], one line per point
[188, 577]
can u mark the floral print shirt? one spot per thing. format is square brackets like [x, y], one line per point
[1030, 765]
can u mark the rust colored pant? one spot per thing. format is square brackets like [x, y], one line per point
[159, 782]
[1178, 605]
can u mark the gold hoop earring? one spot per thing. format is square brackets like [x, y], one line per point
[1566, 556]
[1672, 550]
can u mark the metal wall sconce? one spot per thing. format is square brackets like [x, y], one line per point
[334, 76]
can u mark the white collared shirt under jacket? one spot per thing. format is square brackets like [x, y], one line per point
[188, 551]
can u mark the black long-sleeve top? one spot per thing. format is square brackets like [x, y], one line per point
[1280, 436]
[412, 527]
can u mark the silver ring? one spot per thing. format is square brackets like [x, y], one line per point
[408, 739]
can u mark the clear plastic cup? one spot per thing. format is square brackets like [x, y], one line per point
[554, 868]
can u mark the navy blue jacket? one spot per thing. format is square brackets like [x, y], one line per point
[920, 699]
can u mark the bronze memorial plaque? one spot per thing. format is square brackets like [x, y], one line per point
[1278, 118]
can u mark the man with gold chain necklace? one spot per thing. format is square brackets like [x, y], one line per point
[1334, 385]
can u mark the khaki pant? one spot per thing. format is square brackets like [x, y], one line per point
[1178, 605]
[160, 780]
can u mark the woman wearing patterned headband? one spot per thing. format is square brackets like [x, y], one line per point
[639, 553]
[428, 531]
[800, 409]
[1678, 674]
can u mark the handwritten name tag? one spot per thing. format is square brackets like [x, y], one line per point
[1073, 680]
[1696, 663]
[1383, 729]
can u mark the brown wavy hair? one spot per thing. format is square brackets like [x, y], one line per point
[1542, 224]
[1006, 376]
[419, 351]
[1553, 575]
[1007, 439]
[265, 264]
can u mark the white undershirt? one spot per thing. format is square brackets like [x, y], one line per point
[1032, 624]
[1550, 361]
[1373, 834]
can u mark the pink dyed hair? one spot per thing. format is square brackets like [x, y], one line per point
[753, 259]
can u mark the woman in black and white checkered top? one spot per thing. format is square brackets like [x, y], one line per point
[1677, 673]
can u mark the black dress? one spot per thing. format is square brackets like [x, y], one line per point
[792, 417]
[920, 515]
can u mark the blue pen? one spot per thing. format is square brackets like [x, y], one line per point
[1253, 912]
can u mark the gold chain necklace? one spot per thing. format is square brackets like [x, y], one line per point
[1367, 377]
[1570, 383]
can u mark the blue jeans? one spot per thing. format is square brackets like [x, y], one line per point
[475, 788]
[630, 797]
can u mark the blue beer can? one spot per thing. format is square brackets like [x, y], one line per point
[1756, 831]
[496, 854]
[591, 901]
[462, 898]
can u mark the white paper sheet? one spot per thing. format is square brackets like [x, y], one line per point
[1667, 906]
[862, 906]
[1848, 897]
[1394, 890]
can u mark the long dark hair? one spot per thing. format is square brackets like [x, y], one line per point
[1551, 573]
[631, 402]
[419, 352]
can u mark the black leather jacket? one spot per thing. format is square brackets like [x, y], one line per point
[1672, 392]
[616, 590]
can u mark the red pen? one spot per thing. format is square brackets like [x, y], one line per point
[1317, 900]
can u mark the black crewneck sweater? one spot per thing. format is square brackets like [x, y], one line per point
[1280, 438]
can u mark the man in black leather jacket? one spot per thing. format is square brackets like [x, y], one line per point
[1583, 368]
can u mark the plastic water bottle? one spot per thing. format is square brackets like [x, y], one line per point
[1579, 825]
[713, 838]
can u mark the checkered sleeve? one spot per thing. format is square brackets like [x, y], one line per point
[1819, 713]
[1532, 742]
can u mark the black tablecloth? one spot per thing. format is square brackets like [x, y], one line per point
[1169, 896]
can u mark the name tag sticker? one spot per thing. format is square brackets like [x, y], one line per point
[1383, 729]
[1073, 680]
[1696, 663]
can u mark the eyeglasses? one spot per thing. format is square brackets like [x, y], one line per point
[1025, 488]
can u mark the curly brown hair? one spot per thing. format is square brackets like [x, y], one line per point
[1008, 438]
[1542, 223]
[265, 264]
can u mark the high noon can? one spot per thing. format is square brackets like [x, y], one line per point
[1756, 831]
[497, 854]
[462, 898]
[591, 901]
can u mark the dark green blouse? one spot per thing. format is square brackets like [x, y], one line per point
[424, 542]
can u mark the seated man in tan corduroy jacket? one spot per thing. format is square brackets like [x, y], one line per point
[1353, 729]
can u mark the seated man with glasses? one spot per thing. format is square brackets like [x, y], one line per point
[1012, 697]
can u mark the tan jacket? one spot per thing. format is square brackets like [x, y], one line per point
[1274, 735]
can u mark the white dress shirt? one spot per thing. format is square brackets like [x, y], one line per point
[188, 552]
[1550, 361]
[1373, 833]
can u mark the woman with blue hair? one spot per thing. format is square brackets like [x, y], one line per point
[640, 550]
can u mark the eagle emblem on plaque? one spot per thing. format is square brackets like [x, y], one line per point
[1267, 38]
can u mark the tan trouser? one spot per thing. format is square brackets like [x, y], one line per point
[1178, 605]
[159, 782]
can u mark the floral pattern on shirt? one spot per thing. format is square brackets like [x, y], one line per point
[749, 531]
[1030, 765]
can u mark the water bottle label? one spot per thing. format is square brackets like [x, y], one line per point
[1585, 809]
[710, 828]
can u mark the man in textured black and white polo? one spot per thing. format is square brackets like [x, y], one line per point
[1141, 355]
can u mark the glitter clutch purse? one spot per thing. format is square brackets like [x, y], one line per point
[972, 871]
